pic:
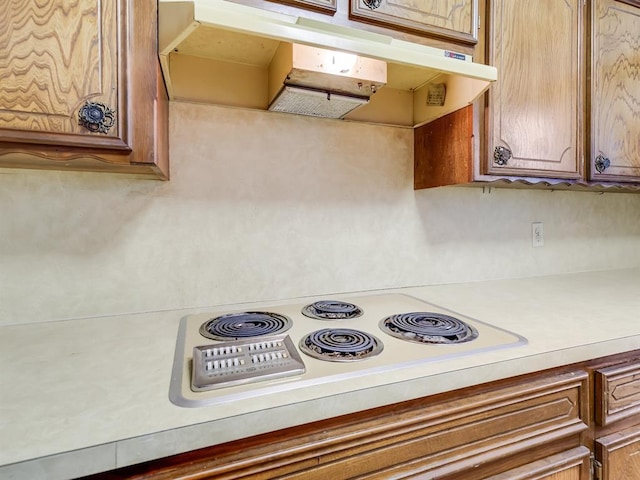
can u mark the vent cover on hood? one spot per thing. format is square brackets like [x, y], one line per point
[322, 83]
[315, 103]
[220, 52]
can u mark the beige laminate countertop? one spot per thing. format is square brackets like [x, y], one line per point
[89, 395]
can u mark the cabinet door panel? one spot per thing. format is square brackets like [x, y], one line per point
[327, 6]
[619, 455]
[570, 465]
[615, 94]
[617, 393]
[454, 19]
[56, 56]
[535, 105]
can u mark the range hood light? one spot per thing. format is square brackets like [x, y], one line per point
[341, 63]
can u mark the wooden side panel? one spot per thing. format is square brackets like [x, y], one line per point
[535, 107]
[517, 422]
[619, 455]
[55, 57]
[617, 394]
[443, 150]
[615, 92]
[453, 19]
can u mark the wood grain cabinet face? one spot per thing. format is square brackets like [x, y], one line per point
[615, 91]
[58, 57]
[535, 106]
[61, 58]
[326, 6]
[570, 465]
[617, 393]
[452, 19]
[618, 455]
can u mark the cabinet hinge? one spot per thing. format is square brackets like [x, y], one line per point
[596, 469]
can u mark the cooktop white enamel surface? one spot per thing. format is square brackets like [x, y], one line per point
[327, 377]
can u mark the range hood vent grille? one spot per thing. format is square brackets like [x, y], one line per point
[220, 52]
[316, 103]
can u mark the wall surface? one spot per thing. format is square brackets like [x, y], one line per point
[266, 206]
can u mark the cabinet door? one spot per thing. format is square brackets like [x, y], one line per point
[453, 19]
[535, 107]
[615, 91]
[57, 57]
[327, 6]
[570, 465]
[619, 455]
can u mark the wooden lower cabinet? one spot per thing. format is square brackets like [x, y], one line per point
[478, 433]
[573, 464]
[617, 416]
[618, 455]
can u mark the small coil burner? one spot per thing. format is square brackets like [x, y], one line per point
[332, 310]
[244, 325]
[340, 345]
[428, 327]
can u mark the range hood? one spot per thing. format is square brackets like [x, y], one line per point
[219, 52]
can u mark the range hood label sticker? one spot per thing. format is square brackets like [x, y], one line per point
[457, 56]
[436, 95]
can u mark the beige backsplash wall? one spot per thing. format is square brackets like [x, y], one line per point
[270, 206]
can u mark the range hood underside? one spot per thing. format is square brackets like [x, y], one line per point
[221, 53]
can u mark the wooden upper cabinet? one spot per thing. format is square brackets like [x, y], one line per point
[451, 19]
[325, 6]
[615, 91]
[535, 107]
[80, 86]
[61, 56]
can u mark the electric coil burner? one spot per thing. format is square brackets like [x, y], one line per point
[332, 310]
[244, 325]
[428, 327]
[340, 345]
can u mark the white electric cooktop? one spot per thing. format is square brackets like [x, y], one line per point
[275, 363]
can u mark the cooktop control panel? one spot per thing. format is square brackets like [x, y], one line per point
[244, 361]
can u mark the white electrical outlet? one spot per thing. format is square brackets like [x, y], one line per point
[537, 234]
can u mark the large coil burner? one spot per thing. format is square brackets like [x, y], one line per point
[332, 310]
[340, 345]
[428, 327]
[233, 326]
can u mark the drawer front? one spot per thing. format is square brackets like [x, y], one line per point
[617, 393]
